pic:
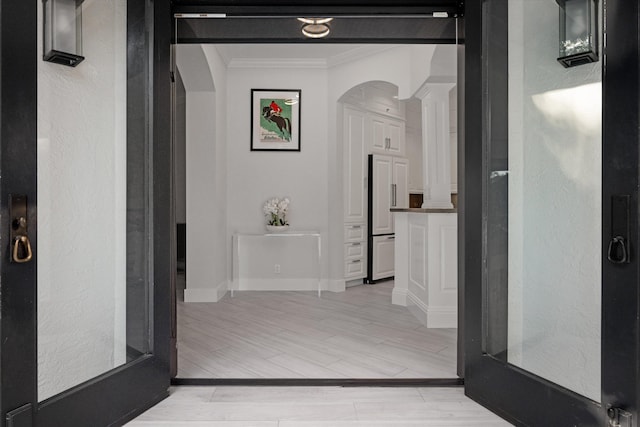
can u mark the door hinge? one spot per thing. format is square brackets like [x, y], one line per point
[618, 418]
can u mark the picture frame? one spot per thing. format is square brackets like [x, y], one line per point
[275, 119]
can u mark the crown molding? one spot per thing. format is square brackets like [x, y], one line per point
[288, 63]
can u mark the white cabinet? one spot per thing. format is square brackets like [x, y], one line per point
[355, 192]
[363, 133]
[355, 157]
[387, 135]
[390, 188]
[383, 257]
[355, 250]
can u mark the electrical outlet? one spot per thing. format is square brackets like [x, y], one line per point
[276, 268]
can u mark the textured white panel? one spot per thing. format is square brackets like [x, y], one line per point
[82, 205]
[555, 146]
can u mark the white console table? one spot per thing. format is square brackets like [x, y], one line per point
[242, 243]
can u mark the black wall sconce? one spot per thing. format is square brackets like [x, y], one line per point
[63, 31]
[578, 32]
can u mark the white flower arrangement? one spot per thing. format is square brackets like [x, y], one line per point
[275, 210]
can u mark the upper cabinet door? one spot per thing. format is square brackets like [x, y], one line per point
[395, 137]
[387, 135]
[378, 134]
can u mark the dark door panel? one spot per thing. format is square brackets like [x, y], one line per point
[119, 394]
[493, 375]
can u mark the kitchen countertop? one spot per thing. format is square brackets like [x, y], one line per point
[421, 210]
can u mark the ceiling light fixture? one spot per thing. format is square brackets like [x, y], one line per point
[315, 28]
[315, 20]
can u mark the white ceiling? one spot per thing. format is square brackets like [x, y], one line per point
[330, 54]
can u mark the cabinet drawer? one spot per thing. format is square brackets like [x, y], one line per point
[354, 251]
[354, 269]
[354, 233]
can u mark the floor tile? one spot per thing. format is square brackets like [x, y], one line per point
[353, 334]
[317, 407]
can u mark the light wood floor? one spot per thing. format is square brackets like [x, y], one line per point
[353, 334]
[316, 407]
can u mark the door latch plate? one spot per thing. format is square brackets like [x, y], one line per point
[619, 418]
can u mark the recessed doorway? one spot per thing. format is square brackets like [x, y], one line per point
[354, 330]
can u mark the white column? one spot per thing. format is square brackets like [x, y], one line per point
[436, 145]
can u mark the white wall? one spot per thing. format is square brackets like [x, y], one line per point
[203, 73]
[554, 205]
[82, 205]
[255, 176]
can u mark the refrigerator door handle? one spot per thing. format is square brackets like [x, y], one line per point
[392, 205]
[394, 195]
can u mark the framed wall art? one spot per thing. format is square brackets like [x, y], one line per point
[275, 119]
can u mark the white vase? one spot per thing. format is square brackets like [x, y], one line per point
[277, 228]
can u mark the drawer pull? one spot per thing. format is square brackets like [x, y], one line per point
[356, 244]
[356, 261]
[355, 227]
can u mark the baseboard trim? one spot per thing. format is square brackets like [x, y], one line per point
[442, 317]
[321, 382]
[337, 286]
[299, 284]
[399, 296]
[430, 316]
[206, 294]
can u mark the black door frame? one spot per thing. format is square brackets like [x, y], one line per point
[120, 394]
[515, 394]
[352, 8]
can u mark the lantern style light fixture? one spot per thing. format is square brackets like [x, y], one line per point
[63, 31]
[315, 28]
[578, 32]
